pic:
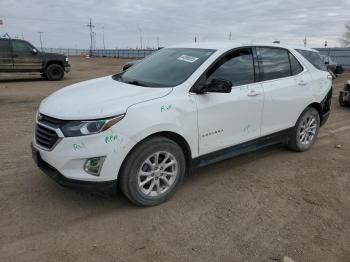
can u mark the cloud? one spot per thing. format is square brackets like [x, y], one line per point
[64, 22]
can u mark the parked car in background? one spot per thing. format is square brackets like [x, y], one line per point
[182, 107]
[332, 65]
[344, 95]
[19, 56]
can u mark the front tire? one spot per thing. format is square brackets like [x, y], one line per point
[152, 171]
[305, 132]
[54, 72]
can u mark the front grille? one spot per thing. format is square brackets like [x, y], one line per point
[45, 137]
[50, 121]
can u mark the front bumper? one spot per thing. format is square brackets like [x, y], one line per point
[67, 68]
[105, 187]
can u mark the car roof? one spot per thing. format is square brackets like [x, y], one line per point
[223, 46]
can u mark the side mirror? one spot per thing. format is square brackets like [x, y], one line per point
[217, 85]
[34, 51]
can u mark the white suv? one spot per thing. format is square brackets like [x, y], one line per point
[182, 107]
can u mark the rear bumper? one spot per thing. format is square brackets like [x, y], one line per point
[105, 187]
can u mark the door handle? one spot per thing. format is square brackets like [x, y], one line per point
[254, 93]
[302, 83]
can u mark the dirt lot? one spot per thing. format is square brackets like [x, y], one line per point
[258, 207]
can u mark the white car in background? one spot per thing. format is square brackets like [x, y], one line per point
[182, 107]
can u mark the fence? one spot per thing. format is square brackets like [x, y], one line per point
[339, 55]
[120, 53]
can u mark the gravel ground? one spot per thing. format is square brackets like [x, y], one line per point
[260, 206]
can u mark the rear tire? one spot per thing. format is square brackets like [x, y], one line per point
[54, 72]
[305, 131]
[152, 171]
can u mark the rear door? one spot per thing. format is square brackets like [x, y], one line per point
[6, 63]
[287, 89]
[25, 57]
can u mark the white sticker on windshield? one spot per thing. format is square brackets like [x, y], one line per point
[188, 58]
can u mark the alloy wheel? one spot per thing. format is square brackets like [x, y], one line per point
[157, 174]
[307, 129]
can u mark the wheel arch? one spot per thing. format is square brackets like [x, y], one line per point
[57, 62]
[177, 138]
[318, 107]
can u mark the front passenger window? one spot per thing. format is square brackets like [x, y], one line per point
[237, 68]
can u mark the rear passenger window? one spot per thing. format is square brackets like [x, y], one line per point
[295, 66]
[275, 63]
[237, 67]
[5, 48]
[314, 58]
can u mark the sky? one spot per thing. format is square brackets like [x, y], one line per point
[167, 22]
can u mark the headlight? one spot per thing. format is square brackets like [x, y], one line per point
[67, 59]
[89, 127]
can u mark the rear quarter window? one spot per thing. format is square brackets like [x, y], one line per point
[314, 58]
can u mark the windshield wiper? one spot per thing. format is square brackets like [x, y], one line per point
[135, 82]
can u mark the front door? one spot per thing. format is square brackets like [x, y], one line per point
[25, 57]
[6, 63]
[227, 119]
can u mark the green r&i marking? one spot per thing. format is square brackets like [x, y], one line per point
[166, 108]
[111, 138]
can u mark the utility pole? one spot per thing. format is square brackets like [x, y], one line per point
[195, 39]
[41, 42]
[230, 36]
[325, 43]
[147, 47]
[140, 31]
[103, 37]
[93, 40]
[90, 25]
[305, 41]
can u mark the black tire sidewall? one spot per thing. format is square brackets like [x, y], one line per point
[50, 72]
[129, 174]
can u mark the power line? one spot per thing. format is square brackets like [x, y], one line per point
[42, 19]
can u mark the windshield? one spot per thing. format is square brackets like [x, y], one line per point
[166, 68]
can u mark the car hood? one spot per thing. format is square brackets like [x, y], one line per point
[97, 98]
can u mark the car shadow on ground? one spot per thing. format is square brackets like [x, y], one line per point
[117, 199]
[21, 79]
